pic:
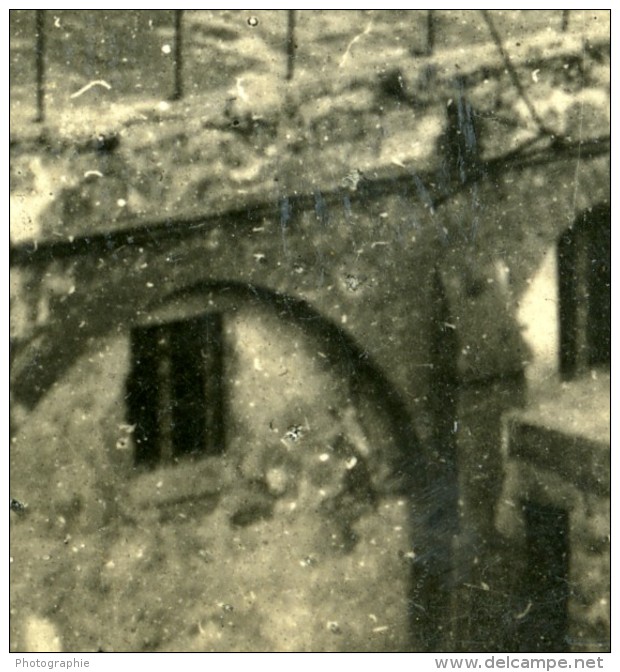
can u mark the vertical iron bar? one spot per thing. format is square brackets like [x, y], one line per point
[177, 93]
[430, 31]
[290, 45]
[40, 63]
[565, 14]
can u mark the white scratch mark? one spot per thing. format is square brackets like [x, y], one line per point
[525, 612]
[346, 54]
[127, 428]
[240, 90]
[90, 85]
[535, 74]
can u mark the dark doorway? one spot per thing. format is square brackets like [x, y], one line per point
[546, 589]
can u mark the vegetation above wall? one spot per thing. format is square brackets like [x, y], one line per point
[104, 159]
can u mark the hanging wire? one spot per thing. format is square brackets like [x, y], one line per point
[514, 76]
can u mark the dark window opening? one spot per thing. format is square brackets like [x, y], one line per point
[544, 628]
[584, 269]
[175, 393]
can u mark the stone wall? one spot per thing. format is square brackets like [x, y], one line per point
[368, 261]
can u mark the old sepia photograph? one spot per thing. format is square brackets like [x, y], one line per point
[310, 331]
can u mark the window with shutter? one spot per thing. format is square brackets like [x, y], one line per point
[584, 256]
[175, 395]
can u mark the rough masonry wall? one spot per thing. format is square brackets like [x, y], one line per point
[346, 227]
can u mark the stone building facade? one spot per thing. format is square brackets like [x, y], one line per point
[264, 339]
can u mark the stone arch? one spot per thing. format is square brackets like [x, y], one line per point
[155, 517]
[340, 348]
[369, 385]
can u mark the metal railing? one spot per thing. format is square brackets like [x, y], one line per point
[177, 92]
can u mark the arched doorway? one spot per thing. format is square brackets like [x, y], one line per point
[323, 480]
[301, 533]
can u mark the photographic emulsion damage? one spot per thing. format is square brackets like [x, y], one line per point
[310, 330]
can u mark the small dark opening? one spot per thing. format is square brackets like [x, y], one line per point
[584, 270]
[598, 336]
[546, 582]
[175, 390]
